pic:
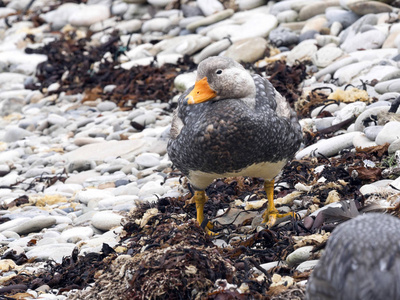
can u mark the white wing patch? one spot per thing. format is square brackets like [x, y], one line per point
[282, 106]
[176, 125]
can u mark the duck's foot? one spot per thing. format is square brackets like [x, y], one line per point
[200, 199]
[270, 217]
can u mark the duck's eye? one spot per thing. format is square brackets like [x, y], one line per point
[219, 72]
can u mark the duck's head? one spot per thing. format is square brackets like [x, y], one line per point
[220, 78]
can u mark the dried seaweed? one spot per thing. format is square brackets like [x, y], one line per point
[79, 67]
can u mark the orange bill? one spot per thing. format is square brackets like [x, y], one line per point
[201, 92]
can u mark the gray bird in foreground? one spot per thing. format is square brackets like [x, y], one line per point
[231, 124]
[361, 261]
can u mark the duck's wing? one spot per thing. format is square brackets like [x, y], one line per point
[266, 94]
[184, 113]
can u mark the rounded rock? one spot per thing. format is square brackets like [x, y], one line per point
[248, 50]
[389, 133]
[106, 106]
[106, 220]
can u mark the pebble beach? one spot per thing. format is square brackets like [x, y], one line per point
[87, 91]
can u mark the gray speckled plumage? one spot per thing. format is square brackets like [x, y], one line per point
[361, 261]
[249, 122]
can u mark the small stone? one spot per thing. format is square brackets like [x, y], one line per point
[81, 165]
[248, 50]
[106, 220]
[329, 146]
[214, 18]
[282, 36]
[394, 146]
[326, 55]
[88, 15]
[389, 133]
[156, 24]
[361, 141]
[34, 225]
[184, 81]
[209, 7]
[4, 169]
[371, 39]
[85, 196]
[307, 265]
[54, 119]
[14, 133]
[371, 132]
[54, 252]
[147, 160]
[369, 7]
[76, 234]
[299, 255]
[287, 16]
[151, 188]
[106, 106]
[303, 51]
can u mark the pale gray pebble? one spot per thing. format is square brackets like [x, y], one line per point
[106, 106]
[282, 36]
[14, 133]
[109, 89]
[106, 220]
[371, 132]
[329, 147]
[389, 133]
[37, 172]
[394, 146]
[388, 97]
[145, 119]
[54, 251]
[81, 165]
[76, 234]
[4, 169]
[147, 160]
[54, 119]
[34, 225]
[344, 17]
[307, 265]
[299, 255]
[322, 123]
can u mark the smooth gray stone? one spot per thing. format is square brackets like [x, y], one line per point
[329, 147]
[356, 26]
[54, 252]
[14, 133]
[308, 35]
[299, 255]
[394, 146]
[147, 160]
[335, 66]
[106, 220]
[344, 17]
[359, 124]
[4, 169]
[389, 133]
[388, 86]
[34, 225]
[191, 11]
[106, 106]
[81, 165]
[100, 151]
[54, 119]
[282, 36]
[371, 132]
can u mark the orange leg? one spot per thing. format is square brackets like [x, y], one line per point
[271, 214]
[200, 199]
